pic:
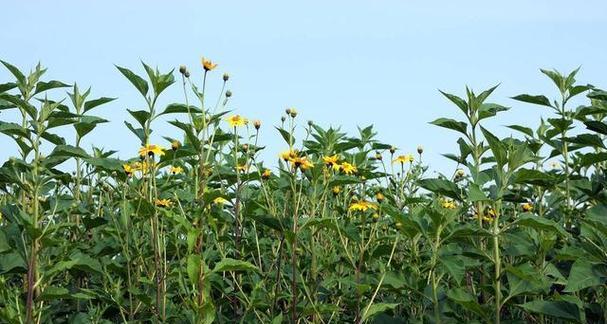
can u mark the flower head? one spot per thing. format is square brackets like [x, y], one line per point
[380, 197]
[175, 145]
[176, 170]
[163, 203]
[242, 168]
[348, 168]
[448, 204]
[362, 205]
[302, 163]
[151, 150]
[289, 155]
[207, 64]
[128, 169]
[336, 190]
[266, 174]
[402, 159]
[330, 160]
[220, 201]
[237, 120]
[527, 207]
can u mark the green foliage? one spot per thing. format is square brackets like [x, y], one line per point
[340, 228]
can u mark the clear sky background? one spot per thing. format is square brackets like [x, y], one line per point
[342, 63]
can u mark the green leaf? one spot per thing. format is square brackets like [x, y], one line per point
[535, 177]
[7, 86]
[228, 264]
[193, 267]
[525, 130]
[539, 223]
[441, 186]
[584, 274]
[15, 71]
[497, 147]
[13, 129]
[489, 110]
[87, 124]
[459, 102]
[476, 194]
[286, 136]
[587, 140]
[596, 126]
[136, 80]
[53, 138]
[44, 86]
[13, 263]
[141, 116]
[68, 150]
[558, 309]
[139, 132]
[177, 108]
[466, 300]
[378, 308]
[451, 124]
[96, 102]
[538, 100]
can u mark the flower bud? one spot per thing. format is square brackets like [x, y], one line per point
[293, 113]
[310, 123]
[378, 156]
[187, 74]
[420, 150]
[175, 145]
[226, 77]
[392, 149]
[257, 124]
[228, 94]
[283, 118]
[460, 173]
[245, 147]
[182, 69]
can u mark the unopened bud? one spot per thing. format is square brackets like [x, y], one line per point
[187, 74]
[226, 77]
[420, 149]
[257, 124]
[228, 94]
[175, 145]
[392, 149]
[182, 69]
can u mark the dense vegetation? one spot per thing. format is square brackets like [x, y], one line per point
[341, 229]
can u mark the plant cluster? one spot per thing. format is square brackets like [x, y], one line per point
[341, 228]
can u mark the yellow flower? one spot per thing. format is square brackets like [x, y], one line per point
[348, 168]
[151, 150]
[380, 197]
[237, 120]
[144, 166]
[302, 163]
[362, 205]
[163, 203]
[449, 204]
[175, 145]
[527, 207]
[266, 174]
[242, 168]
[176, 170]
[336, 190]
[289, 155]
[207, 64]
[220, 201]
[403, 159]
[128, 169]
[330, 160]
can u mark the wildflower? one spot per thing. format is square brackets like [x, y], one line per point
[242, 168]
[420, 150]
[336, 190]
[459, 173]
[348, 168]
[176, 170]
[266, 174]
[362, 205]
[302, 163]
[175, 145]
[527, 207]
[380, 197]
[392, 149]
[128, 169]
[448, 204]
[237, 120]
[402, 159]
[163, 203]
[330, 160]
[207, 64]
[151, 150]
[220, 201]
[375, 216]
[289, 155]
[257, 124]
[488, 215]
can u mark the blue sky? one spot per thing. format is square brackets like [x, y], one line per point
[342, 63]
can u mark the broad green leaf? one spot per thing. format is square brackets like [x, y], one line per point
[538, 100]
[228, 264]
[441, 186]
[44, 86]
[584, 274]
[96, 102]
[136, 80]
[378, 308]
[539, 223]
[451, 124]
[557, 309]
